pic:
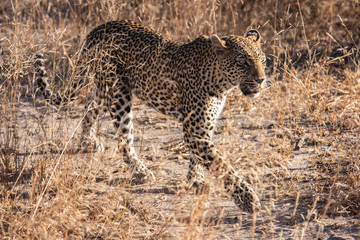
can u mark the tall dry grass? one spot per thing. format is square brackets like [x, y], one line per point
[313, 60]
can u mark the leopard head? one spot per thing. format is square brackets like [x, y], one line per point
[242, 61]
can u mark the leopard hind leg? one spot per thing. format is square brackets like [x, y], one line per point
[120, 108]
[94, 110]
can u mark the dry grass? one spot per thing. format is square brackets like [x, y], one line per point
[298, 143]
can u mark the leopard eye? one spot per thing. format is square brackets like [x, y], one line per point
[263, 60]
[241, 60]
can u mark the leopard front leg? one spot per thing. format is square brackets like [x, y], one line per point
[198, 140]
[195, 175]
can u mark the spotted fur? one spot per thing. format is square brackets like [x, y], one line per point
[188, 82]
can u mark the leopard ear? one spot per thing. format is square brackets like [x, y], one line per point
[253, 35]
[218, 44]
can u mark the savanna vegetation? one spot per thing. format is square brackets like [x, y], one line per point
[298, 143]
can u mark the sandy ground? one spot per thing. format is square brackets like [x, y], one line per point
[165, 209]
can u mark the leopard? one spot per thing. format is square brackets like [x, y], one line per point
[188, 82]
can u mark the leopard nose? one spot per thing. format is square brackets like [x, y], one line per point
[260, 81]
[266, 82]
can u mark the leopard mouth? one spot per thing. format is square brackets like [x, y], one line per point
[251, 92]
